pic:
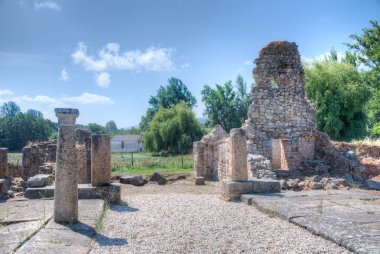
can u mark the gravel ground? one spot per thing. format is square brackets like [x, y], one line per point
[180, 218]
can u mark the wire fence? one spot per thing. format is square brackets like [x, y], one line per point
[143, 160]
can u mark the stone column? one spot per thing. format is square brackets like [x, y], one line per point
[199, 158]
[238, 150]
[66, 173]
[100, 160]
[4, 173]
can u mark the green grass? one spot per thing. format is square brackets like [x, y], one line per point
[15, 158]
[147, 171]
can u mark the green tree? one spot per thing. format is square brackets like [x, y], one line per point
[340, 94]
[366, 48]
[17, 128]
[96, 128]
[225, 106]
[9, 109]
[110, 127]
[166, 97]
[172, 130]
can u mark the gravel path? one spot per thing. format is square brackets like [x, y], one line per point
[200, 223]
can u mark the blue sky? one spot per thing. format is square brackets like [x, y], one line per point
[107, 58]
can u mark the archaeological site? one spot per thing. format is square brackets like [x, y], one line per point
[275, 185]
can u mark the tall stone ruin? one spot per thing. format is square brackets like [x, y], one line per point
[281, 121]
[280, 129]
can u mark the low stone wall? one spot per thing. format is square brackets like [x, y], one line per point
[4, 163]
[359, 148]
[39, 158]
[15, 170]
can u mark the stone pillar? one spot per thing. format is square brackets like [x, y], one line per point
[100, 160]
[4, 172]
[238, 150]
[66, 173]
[199, 158]
[83, 146]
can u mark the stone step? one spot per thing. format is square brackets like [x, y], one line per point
[232, 190]
[85, 191]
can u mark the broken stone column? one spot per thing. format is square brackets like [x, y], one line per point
[100, 160]
[83, 146]
[238, 150]
[4, 173]
[66, 174]
[199, 158]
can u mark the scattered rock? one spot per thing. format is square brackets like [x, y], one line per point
[134, 180]
[373, 184]
[284, 184]
[4, 186]
[322, 169]
[40, 180]
[293, 183]
[199, 180]
[157, 177]
[316, 178]
[316, 185]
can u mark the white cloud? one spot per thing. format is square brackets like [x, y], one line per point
[88, 98]
[64, 75]
[49, 5]
[103, 79]
[185, 65]
[248, 62]
[110, 58]
[84, 98]
[5, 92]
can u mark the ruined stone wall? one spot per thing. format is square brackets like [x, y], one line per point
[279, 111]
[40, 158]
[35, 155]
[206, 154]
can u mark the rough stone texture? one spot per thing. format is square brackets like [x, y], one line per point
[258, 166]
[4, 187]
[4, 163]
[100, 160]
[199, 180]
[85, 191]
[238, 148]
[348, 218]
[232, 190]
[282, 120]
[40, 180]
[157, 177]
[83, 147]
[373, 184]
[341, 162]
[35, 155]
[66, 175]
[134, 180]
[206, 154]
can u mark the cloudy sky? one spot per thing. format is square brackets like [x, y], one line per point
[107, 58]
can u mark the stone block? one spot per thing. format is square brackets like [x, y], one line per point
[85, 191]
[40, 180]
[238, 149]
[134, 180]
[373, 184]
[199, 180]
[157, 177]
[4, 186]
[100, 160]
[266, 186]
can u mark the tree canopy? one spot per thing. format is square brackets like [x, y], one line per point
[17, 128]
[110, 127]
[166, 97]
[173, 130]
[225, 105]
[339, 92]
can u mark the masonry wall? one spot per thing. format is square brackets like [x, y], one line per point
[279, 110]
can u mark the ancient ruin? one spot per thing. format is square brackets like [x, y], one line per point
[4, 163]
[281, 140]
[66, 175]
[100, 160]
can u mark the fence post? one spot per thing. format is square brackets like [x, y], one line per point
[132, 159]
